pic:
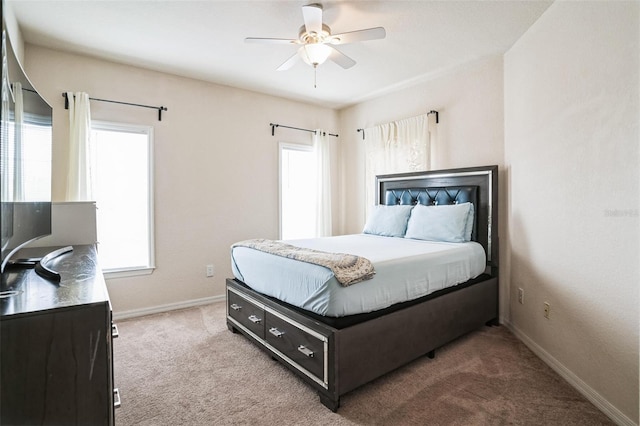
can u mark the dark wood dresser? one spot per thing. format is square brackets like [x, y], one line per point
[56, 363]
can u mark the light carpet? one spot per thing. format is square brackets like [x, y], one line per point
[186, 368]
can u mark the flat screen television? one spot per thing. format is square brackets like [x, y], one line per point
[25, 158]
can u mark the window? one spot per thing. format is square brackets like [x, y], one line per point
[297, 191]
[37, 149]
[123, 190]
[32, 160]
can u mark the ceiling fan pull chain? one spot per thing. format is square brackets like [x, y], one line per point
[315, 76]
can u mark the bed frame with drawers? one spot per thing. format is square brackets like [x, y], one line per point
[337, 355]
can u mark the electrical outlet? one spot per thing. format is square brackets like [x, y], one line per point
[521, 296]
[547, 310]
[209, 270]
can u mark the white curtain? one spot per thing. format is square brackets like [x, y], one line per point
[396, 147]
[79, 179]
[322, 150]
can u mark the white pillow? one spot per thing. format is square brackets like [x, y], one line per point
[470, 222]
[388, 221]
[449, 223]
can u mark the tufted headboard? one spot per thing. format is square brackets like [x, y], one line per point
[478, 185]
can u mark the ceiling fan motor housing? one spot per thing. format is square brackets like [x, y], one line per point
[312, 37]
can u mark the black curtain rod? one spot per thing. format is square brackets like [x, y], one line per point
[429, 113]
[273, 130]
[160, 108]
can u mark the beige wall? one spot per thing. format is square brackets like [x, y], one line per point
[571, 143]
[470, 105]
[216, 164]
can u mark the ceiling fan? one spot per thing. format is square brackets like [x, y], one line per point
[316, 42]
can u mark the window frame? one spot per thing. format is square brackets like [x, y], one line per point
[139, 129]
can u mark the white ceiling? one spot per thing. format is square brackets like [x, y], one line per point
[205, 39]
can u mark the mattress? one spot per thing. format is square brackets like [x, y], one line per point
[406, 269]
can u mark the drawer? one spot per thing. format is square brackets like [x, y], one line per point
[298, 345]
[247, 313]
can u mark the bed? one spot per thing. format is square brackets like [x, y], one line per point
[338, 346]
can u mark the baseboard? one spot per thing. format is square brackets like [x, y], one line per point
[165, 308]
[587, 391]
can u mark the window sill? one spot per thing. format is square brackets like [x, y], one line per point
[125, 273]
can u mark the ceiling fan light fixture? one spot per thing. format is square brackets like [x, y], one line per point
[315, 54]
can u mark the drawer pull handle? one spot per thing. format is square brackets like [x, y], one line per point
[254, 319]
[308, 352]
[114, 331]
[276, 332]
[116, 398]
[235, 307]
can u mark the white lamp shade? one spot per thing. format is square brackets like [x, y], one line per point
[314, 53]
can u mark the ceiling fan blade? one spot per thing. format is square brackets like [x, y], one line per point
[360, 35]
[341, 59]
[289, 62]
[270, 40]
[312, 14]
